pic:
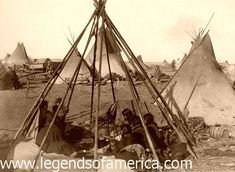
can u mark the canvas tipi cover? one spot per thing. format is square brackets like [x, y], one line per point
[139, 58]
[179, 62]
[19, 56]
[70, 67]
[229, 70]
[165, 63]
[112, 48]
[213, 97]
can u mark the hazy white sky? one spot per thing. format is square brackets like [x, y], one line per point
[156, 29]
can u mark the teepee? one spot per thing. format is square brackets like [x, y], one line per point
[165, 63]
[179, 62]
[67, 73]
[101, 22]
[139, 58]
[18, 57]
[201, 87]
[113, 53]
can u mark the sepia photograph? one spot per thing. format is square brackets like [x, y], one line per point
[117, 86]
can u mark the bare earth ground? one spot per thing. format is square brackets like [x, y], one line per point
[14, 106]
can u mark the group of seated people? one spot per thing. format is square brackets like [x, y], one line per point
[55, 141]
[129, 141]
[126, 140]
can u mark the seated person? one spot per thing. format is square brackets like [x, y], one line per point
[54, 142]
[63, 109]
[60, 120]
[42, 114]
[128, 115]
[128, 143]
[138, 133]
[137, 130]
[156, 137]
[127, 148]
[126, 137]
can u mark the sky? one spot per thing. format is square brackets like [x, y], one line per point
[156, 29]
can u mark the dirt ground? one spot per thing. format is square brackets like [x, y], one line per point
[213, 155]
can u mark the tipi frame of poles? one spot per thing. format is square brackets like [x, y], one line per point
[100, 21]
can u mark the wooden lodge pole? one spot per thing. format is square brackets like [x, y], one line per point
[144, 74]
[50, 83]
[81, 60]
[135, 99]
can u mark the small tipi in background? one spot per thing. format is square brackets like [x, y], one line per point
[18, 57]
